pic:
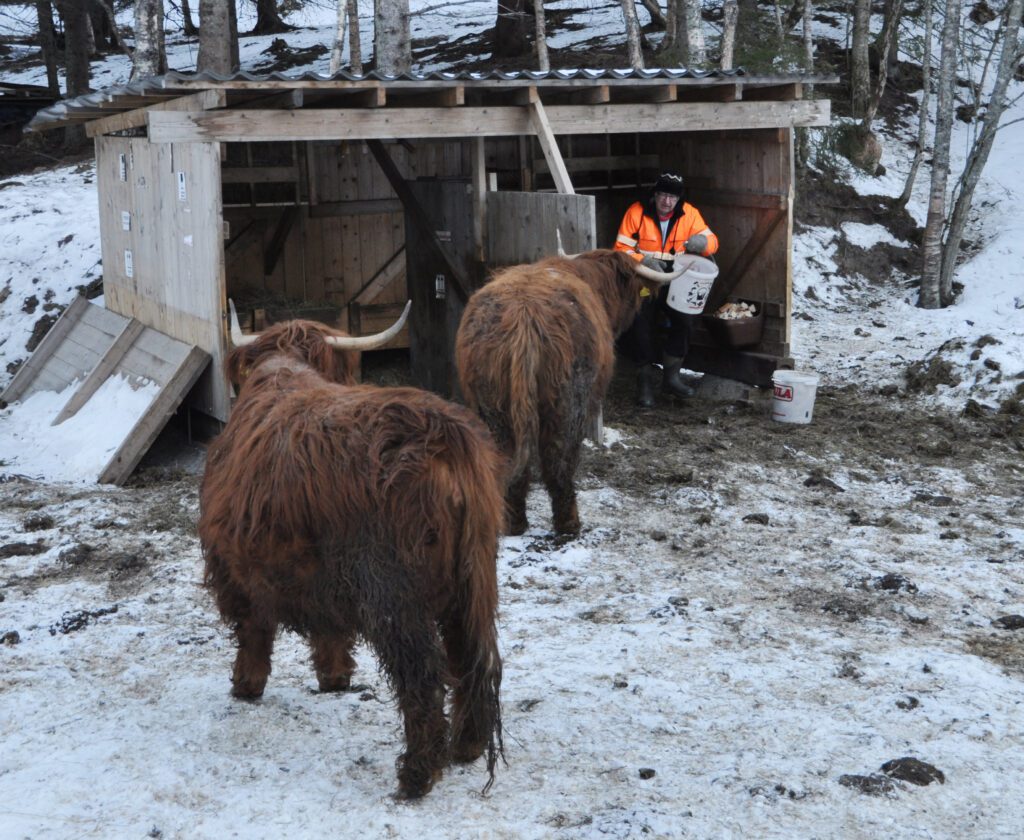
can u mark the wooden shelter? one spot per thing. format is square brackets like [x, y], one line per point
[339, 198]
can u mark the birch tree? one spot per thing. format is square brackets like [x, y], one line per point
[860, 68]
[636, 56]
[392, 48]
[922, 111]
[348, 27]
[930, 296]
[696, 52]
[1009, 58]
[218, 37]
[540, 36]
[150, 56]
[730, 16]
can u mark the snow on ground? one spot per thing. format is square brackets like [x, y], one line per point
[680, 670]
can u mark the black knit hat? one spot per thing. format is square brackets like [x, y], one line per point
[669, 182]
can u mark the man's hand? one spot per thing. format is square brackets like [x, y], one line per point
[696, 244]
[650, 262]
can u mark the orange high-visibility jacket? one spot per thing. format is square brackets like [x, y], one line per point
[640, 233]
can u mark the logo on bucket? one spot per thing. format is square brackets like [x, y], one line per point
[784, 393]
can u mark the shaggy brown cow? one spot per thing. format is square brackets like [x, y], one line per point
[534, 352]
[342, 511]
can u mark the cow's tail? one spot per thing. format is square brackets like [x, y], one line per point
[476, 717]
[523, 409]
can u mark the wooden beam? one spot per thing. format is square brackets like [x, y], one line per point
[419, 217]
[108, 362]
[259, 174]
[597, 95]
[384, 277]
[479, 163]
[603, 163]
[249, 235]
[205, 100]
[369, 207]
[748, 253]
[737, 198]
[44, 350]
[548, 144]
[387, 123]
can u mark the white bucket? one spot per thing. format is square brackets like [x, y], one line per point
[689, 291]
[793, 400]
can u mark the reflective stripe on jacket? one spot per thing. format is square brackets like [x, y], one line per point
[640, 233]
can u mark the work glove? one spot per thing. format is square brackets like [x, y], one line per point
[650, 262]
[696, 244]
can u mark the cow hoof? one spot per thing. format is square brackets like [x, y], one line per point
[414, 783]
[468, 752]
[570, 528]
[329, 685]
[518, 527]
[244, 691]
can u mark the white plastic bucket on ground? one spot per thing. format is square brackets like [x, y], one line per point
[793, 400]
[689, 291]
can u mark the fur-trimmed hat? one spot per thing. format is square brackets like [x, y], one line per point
[669, 182]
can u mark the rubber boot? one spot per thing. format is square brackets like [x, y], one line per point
[672, 381]
[646, 377]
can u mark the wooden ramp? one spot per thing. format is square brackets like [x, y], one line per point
[89, 344]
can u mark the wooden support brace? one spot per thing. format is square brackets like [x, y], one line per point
[108, 362]
[205, 100]
[384, 277]
[419, 217]
[748, 253]
[542, 128]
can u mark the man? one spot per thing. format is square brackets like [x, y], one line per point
[653, 233]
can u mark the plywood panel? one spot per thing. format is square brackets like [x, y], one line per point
[537, 217]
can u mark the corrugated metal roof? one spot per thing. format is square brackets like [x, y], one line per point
[86, 107]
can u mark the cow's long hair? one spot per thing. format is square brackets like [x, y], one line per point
[344, 511]
[535, 353]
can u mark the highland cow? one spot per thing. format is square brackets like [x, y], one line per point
[344, 511]
[535, 352]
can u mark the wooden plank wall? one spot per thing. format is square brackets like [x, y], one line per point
[537, 217]
[330, 256]
[175, 239]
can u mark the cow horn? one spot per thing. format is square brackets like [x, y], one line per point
[370, 342]
[237, 338]
[658, 276]
[561, 250]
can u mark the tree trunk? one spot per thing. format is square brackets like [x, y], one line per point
[355, 48]
[540, 36]
[98, 23]
[391, 45]
[150, 58]
[890, 32]
[1008, 59]
[48, 45]
[636, 56]
[76, 62]
[87, 33]
[860, 68]
[338, 48]
[511, 29]
[218, 37]
[268, 20]
[730, 15]
[931, 297]
[188, 27]
[671, 38]
[654, 10]
[110, 27]
[696, 52]
[922, 111]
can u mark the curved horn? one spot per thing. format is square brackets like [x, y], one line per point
[370, 342]
[561, 250]
[237, 338]
[658, 276]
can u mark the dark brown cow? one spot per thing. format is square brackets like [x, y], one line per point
[342, 511]
[534, 352]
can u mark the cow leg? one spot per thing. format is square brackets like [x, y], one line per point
[406, 641]
[475, 666]
[252, 663]
[560, 454]
[332, 659]
[515, 502]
